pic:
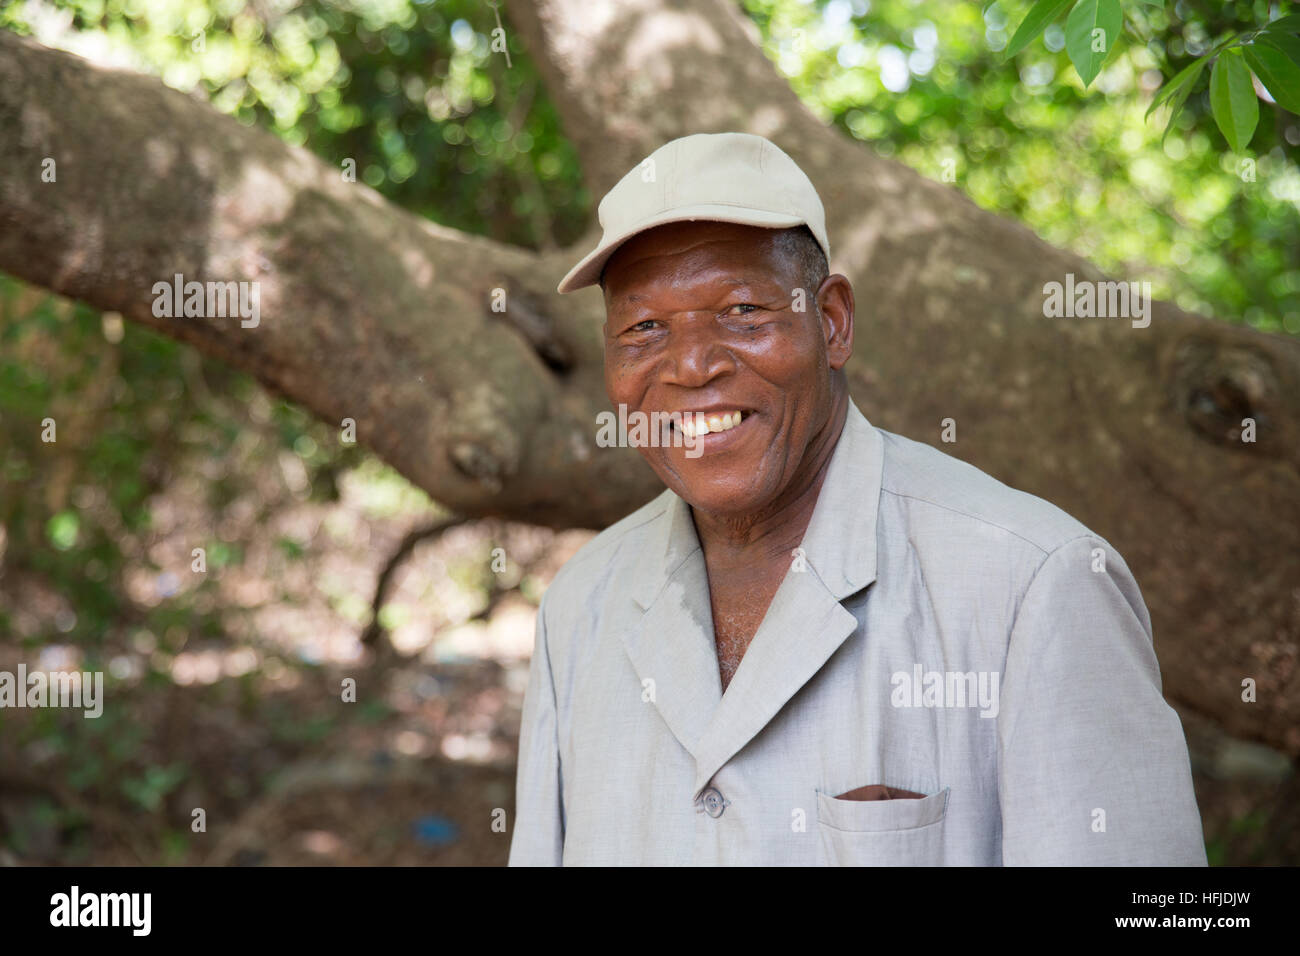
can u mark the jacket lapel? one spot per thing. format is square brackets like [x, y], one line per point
[672, 645]
[806, 623]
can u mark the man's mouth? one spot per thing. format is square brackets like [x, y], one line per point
[697, 424]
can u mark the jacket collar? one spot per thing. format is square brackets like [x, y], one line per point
[839, 544]
[805, 623]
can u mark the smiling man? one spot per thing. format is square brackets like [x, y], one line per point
[824, 643]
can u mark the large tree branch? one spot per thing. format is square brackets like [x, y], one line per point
[366, 312]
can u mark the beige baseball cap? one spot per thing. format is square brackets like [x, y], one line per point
[721, 177]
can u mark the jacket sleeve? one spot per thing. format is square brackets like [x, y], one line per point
[1093, 766]
[538, 838]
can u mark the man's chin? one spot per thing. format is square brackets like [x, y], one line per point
[724, 499]
[733, 489]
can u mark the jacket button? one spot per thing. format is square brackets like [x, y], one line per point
[713, 802]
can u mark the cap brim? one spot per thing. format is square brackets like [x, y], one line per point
[587, 271]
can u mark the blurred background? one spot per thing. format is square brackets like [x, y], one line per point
[334, 566]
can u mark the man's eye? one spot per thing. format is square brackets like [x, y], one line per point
[644, 326]
[744, 305]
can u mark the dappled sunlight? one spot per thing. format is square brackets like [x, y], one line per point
[653, 39]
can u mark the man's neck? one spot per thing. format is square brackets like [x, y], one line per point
[777, 530]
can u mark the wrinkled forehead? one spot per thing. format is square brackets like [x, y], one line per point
[680, 256]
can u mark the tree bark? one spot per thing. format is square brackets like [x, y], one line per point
[373, 314]
[366, 312]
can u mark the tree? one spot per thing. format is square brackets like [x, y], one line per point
[373, 314]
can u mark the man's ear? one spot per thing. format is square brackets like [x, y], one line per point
[835, 302]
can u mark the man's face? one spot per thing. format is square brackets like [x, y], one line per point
[701, 317]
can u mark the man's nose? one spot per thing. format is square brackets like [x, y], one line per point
[695, 355]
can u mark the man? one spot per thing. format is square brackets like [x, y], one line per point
[824, 643]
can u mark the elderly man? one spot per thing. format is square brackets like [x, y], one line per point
[824, 643]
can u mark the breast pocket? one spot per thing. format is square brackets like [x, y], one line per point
[898, 832]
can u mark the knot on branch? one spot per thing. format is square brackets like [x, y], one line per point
[1219, 385]
[475, 460]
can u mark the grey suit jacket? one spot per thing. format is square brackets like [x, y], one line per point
[937, 632]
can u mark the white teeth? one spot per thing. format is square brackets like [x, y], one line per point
[695, 423]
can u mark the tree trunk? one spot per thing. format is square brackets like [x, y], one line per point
[370, 313]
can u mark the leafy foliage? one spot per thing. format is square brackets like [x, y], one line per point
[1273, 53]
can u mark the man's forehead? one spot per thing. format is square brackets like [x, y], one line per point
[676, 251]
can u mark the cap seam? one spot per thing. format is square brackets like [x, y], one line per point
[766, 148]
[668, 189]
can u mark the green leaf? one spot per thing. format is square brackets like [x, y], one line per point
[1279, 75]
[1232, 99]
[1179, 96]
[1175, 106]
[1287, 24]
[1035, 22]
[1285, 42]
[1091, 31]
[1187, 77]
